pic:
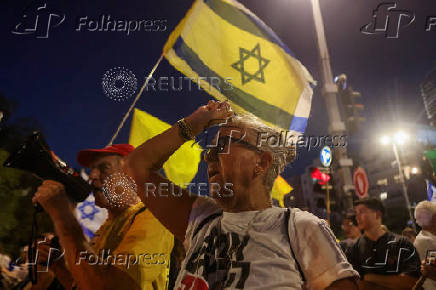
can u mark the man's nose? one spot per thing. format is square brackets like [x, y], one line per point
[94, 174]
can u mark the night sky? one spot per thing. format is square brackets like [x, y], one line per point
[58, 80]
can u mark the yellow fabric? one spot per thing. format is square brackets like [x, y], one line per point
[145, 242]
[280, 188]
[182, 166]
[217, 44]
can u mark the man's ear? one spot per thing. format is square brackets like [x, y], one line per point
[266, 159]
[379, 214]
[123, 161]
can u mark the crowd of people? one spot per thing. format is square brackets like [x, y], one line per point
[236, 241]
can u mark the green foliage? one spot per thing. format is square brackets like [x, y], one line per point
[16, 208]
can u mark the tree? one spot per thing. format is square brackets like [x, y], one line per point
[16, 186]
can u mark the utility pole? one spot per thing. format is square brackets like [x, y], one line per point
[336, 125]
[403, 185]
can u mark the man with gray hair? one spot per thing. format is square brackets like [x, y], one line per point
[239, 240]
[425, 242]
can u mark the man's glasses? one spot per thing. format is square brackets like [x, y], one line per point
[212, 153]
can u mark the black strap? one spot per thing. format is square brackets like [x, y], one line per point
[205, 221]
[287, 218]
[138, 212]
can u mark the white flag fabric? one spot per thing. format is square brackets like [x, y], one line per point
[431, 191]
[90, 216]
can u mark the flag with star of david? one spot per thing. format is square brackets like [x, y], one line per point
[90, 216]
[234, 56]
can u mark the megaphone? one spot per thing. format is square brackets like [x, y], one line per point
[35, 156]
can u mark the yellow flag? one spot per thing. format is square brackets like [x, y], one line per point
[234, 56]
[182, 166]
[280, 188]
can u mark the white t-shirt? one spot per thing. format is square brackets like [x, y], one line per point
[426, 241]
[251, 250]
[4, 261]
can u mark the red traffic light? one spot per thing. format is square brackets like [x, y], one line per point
[322, 178]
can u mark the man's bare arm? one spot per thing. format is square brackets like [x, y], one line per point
[63, 274]
[86, 276]
[401, 281]
[346, 283]
[142, 164]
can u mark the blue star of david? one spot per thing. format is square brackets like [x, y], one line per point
[84, 214]
[245, 54]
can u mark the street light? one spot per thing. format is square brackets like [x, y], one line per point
[385, 140]
[400, 138]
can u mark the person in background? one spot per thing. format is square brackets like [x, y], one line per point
[45, 277]
[12, 275]
[5, 260]
[425, 242]
[140, 243]
[349, 225]
[409, 233]
[382, 258]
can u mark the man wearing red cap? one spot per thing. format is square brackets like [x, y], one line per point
[131, 250]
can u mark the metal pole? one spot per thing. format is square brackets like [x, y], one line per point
[336, 126]
[328, 202]
[150, 75]
[403, 185]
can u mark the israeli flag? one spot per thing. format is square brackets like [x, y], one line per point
[90, 216]
[431, 191]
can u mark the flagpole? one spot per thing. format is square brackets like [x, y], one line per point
[136, 99]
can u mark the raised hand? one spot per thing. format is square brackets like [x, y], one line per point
[211, 114]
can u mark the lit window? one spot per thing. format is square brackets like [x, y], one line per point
[383, 181]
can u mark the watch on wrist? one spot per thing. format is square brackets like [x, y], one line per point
[185, 130]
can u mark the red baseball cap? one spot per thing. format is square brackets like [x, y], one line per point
[85, 157]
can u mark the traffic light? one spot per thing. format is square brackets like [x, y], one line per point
[351, 109]
[321, 177]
